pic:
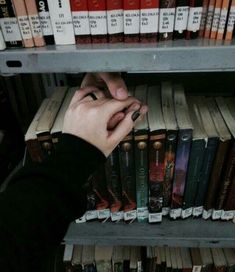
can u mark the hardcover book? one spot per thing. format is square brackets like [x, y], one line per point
[131, 21]
[103, 256]
[204, 18]
[196, 259]
[183, 150]
[157, 141]
[207, 261]
[216, 18]
[149, 17]
[181, 18]
[209, 19]
[118, 258]
[77, 258]
[141, 137]
[230, 22]
[67, 258]
[81, 23]
[186, 259]
[2, 42]
[171, 143]
[9, 25]
[115, 14]
[88, 258]
[222, 19]
[220, 264]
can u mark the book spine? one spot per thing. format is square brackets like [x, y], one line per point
[169, 166]
[35, 24]
[231, 22]
[91, 212]
[127, 173]
[209, 18]
[23, 21]
[181, 18]
[114, 188]
[223, 19]
[166, 19]
[193, 174]
[156, 176]
[141, 175]
[2, 41]
[35, 151]
[61, 19]
[204, 17]
[9, 25]
[181, 165]
[216, 18]
[149, 17]
[45, 21]
[194, 19]
[115, 20]
[81, 25]
[229, 207]
[131, 21]
[205, 175]
[98, 21]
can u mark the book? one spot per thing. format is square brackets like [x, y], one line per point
[115, 13]
[77, 258]
[34, 22]
[9, 25]
[216, 18]
[183, 150]
[135, 259]
[149, 16]
[196, 259]
[157, 141]
[207, 261]
[230, 22]
[103, 255]
[230, 258]
[186, 259]
[23, 21]
[168, 259]
[62, 23]
[209, 19]
[219, 161]
[181, 18]
[67, 258]
[199, 141]
[126, 258]
[174, 267]
[2, 41]
[171, 142]
[45, 21]
[131, 21]
[141, 131]
[220, 264]
[118, 258]
[204, 18]
[98, 21]
[222, 19]
[88, 258]
[81, 25]
[166, 19]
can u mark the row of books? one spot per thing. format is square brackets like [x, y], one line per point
[147, 259]
[178, 161]
[31, 23]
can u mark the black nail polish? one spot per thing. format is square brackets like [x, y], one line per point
[135, 115]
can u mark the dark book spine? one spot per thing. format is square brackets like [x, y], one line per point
[91, 212]
[131, 21]
[181, 18]
[34, 150]
[166, 19]
[193, 174]
[229, 205]
[194, 19]
[127, 172]
[205, 175]
[181, 165]
[9, 25]
[45, 21]
[169, 166]
[112, 170]
[156, 176]
[141, 175]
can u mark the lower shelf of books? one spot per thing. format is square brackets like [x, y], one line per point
[182, 233]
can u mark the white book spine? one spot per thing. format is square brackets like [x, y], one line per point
[61, 19]
[2, 42]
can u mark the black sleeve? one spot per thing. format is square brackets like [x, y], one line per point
[41, 201]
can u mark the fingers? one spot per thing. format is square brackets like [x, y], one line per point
[115, 119]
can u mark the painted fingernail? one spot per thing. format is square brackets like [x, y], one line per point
[121, 93]
[135, 115]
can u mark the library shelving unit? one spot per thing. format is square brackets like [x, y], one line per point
[165, 57]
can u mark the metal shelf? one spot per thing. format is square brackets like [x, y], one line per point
[183, 233]
[171, 56]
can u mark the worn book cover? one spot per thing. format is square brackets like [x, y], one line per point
[131, 21]
[181, 18]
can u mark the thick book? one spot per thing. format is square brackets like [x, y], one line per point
[166, 19]
[45, 21]
[207, 261]
[168, 112]
[181, 18]
[24, 23]
[216, 177]
[198, 147]
[204, 18]
[157, 140]
[141, 138]
[35, 23]
[9, 25]
[131, 21]
[222, 19]
[212, 143]
[81, 25]
[216, 18]
[227, 109]
[230, 22]
[220, 264]
[2, 41]
[62, 23]
[183, 150]
[98, 21]
[230, 258]
[209, 19]
[115, 14]
[196, 259]
[149, 17]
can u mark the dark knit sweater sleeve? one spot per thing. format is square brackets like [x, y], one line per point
[42, 199]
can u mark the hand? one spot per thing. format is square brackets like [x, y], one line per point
[88, 119]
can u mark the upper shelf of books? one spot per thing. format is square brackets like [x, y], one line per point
[169, 56]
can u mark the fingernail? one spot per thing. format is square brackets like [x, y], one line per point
[121, 93]
[135, 115]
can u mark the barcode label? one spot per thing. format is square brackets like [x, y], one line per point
[166, 20]
[117, 216]
[216, 214]
[142, 213]
[155, 217]
[81, 219]
[175, 213]
[165, 211]
[10, 29]
[206, 214]
[91, 215]
[181, 18]
[194, 19]
[197, 211]
[115, 21]
[81, 22]
[186, 213]
[98, 22]
[131, 21]
[25, 27]
[149, 20]
[45, 21]
[196, 268]
[35, 26]
[227, 215]
[103, 214]
[130, 215]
